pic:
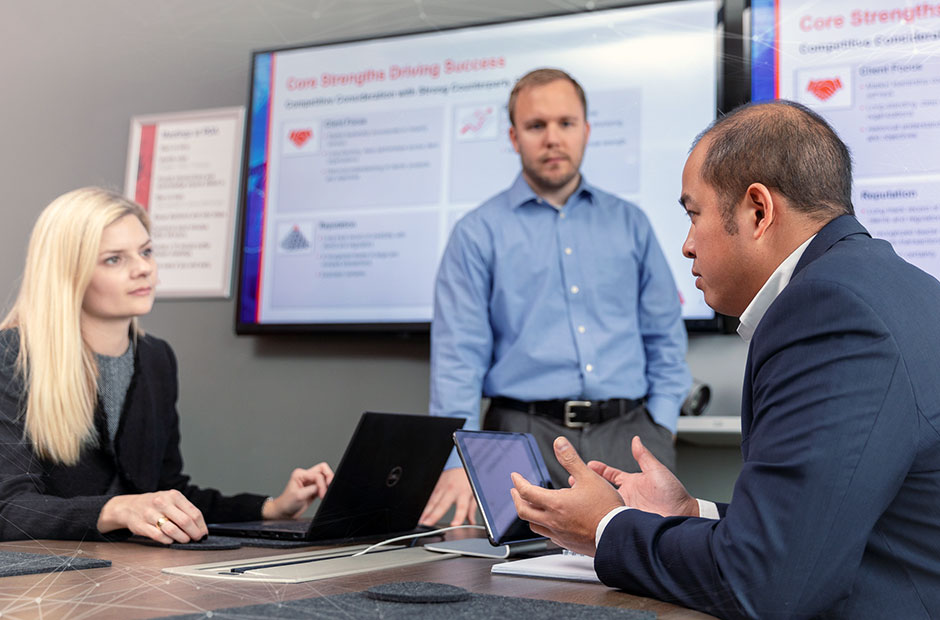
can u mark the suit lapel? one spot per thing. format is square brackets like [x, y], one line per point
[747, 409]
[830, 234]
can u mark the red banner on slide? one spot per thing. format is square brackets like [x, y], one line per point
[145, 164]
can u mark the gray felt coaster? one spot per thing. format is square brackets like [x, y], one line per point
[270, 543]
[18, 563]
[417, 592]
[221, 543]
[358, 605]
[210, 543]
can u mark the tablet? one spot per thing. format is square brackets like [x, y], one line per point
[489, 457]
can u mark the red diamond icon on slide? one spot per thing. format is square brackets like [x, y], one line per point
[300, 136]
[824, 89]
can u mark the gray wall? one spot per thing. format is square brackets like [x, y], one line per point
[73, 72]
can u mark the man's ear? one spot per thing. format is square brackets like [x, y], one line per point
[513, 137]
[759, 209]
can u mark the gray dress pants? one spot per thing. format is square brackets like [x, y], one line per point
[608, 441]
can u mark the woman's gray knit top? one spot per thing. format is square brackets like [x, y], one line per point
[114, 377]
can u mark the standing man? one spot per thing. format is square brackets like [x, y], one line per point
[554, 300]
[836, 512]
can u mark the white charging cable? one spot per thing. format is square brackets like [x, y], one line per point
[419, 535]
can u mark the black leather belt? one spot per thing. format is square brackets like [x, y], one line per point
[572, 413]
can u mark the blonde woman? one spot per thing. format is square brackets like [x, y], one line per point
[88, 421]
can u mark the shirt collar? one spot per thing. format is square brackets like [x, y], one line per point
[520, 193]
[774, 285]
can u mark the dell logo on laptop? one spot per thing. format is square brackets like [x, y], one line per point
[393, 476]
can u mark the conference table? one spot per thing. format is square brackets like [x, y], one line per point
[135, 587]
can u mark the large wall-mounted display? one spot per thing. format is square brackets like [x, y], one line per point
[872, 69]
[361, 155]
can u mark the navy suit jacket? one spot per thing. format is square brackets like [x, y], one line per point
[836, 512]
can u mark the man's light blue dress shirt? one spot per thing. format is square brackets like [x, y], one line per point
[536, 303]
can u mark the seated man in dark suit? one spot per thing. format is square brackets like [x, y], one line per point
[836, 512]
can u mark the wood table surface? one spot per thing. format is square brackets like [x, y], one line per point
[135, 587]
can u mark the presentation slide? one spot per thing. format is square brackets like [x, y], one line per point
[363, 155]
[872, 69]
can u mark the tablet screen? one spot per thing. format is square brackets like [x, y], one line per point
[489, 457]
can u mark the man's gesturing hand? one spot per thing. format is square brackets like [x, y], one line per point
[654, 489]
[568, 516]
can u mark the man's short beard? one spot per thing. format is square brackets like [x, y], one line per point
[550, 184]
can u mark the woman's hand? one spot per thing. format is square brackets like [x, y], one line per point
[164, 516]
[302, 488]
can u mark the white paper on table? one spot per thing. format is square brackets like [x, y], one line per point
[557, 566]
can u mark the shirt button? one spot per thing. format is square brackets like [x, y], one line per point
[561, 215]
[589, 367]
[568, 251]
[581, 329]
[574, 290]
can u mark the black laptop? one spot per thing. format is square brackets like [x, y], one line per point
[380, 487]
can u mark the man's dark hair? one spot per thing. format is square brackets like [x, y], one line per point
[540, 77]
[787, 147]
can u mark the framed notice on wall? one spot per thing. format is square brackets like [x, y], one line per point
[184, 169]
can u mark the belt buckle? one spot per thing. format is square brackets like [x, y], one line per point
[570, 422]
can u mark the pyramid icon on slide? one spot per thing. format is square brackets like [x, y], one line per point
[294, 240]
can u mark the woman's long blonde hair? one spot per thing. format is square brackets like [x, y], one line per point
[57, 367]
